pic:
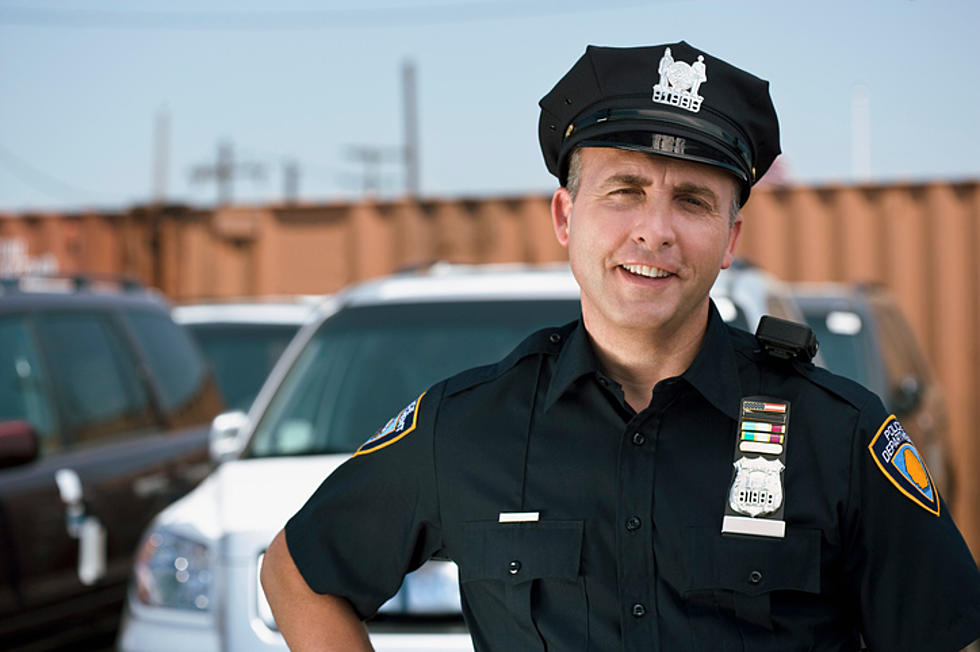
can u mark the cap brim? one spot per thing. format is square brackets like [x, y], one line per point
[666, 145]
[687, 138]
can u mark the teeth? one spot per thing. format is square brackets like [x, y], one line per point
[644, 270]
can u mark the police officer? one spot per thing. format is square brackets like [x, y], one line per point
[646, 478]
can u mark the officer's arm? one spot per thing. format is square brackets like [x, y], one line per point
[308, 620]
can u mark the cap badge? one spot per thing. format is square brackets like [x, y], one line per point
[679, 82]
[668, 144]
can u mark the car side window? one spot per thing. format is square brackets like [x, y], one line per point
[25, 393]
[100, 387]
[177, 367]
[906, 369]
[900, 348]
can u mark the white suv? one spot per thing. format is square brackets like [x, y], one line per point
[195, 583]
[242, 340]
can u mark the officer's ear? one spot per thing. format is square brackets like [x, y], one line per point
[733, 232]
[561, 214]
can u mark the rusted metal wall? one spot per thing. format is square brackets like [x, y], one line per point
[920, 240]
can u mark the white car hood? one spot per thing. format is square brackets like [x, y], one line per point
[248, 500]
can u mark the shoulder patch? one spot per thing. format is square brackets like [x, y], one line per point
[397, 427]
[898, 459]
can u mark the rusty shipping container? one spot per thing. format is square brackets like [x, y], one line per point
[920, 240]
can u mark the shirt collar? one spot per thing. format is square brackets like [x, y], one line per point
[713, 373]
[575, 360]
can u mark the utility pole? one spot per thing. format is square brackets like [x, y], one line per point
[861, 134]
[224, 170]
[161, 155]
[290, 181]
[411, 116]
[373, 156]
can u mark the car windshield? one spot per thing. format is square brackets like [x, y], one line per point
[366, 363]
[241, 356]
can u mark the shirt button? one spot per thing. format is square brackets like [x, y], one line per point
[755, 577]
[639, 610]
[514, 567]
[603, 381]
[639, 439]
[632, 523]
[554, 338]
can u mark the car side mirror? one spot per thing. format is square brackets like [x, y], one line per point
[18, 443]
[906, 396]
[223, 441]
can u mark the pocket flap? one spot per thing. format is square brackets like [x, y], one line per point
[753, 566]
[521, 552]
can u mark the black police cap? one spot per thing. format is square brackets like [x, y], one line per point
[672, 99]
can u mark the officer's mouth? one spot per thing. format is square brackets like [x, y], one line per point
[646, 271]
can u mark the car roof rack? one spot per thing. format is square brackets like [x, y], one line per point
[69, 282]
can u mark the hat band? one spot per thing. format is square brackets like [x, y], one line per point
[693, 126]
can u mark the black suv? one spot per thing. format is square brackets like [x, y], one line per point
[864, 336]
[104, 410]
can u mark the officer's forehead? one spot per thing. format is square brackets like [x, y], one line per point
[601, 164]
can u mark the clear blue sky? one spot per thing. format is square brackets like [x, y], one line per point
[81, 84]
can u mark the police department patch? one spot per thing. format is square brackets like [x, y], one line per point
[396, 428]
[898, 459]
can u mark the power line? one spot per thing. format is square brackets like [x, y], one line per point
[44, 183]
[224, 170]
[375, 17]
[373, 157]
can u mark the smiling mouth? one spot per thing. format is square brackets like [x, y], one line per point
[646, 271]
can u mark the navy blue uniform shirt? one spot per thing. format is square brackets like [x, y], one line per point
[627, 552]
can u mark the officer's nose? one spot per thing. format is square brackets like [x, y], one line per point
[653, 225]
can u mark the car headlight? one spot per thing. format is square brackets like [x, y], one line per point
[432, 589]
[173, 571]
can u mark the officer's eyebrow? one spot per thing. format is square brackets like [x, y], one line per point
[627, 179]
[705, 192]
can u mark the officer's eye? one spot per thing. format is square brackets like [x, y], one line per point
[628, 190]
[695, 203]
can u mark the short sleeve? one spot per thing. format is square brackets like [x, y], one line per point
[375, 518]
[918, 583]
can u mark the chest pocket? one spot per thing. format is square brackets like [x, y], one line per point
[533, 568]
[741, 573]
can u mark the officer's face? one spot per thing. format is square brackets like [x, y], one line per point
[646, 237]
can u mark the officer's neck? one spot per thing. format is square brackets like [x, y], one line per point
[638, 359]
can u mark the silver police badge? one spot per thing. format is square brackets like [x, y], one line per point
[757, 488]
[679, 82]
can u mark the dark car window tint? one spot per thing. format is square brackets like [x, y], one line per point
[100, 388]
[365, 364]
[844, 353]
[241, 356]
[177, 367]
[901, 352]
[24, 390]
